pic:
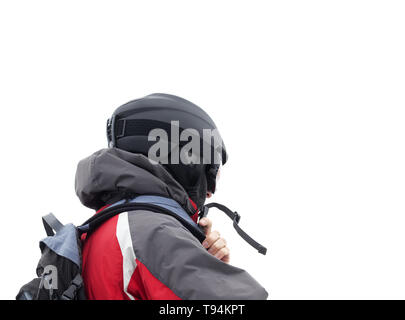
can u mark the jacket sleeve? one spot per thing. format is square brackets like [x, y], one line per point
[171, 258]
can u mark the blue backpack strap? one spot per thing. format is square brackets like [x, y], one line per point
[51, 224]
[150, 203]
[166, 203]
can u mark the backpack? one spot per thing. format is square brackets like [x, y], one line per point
[60, 266]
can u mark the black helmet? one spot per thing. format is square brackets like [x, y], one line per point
[130, 129]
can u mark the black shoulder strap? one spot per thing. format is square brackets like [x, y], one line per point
[235, 217]
[95, 221]
[51, 224]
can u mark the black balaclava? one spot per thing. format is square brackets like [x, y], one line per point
[193, 179]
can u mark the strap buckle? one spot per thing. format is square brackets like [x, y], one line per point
[70, 293]
[236, 217]
[204, 212]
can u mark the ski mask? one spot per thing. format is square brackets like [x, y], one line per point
[193, 179]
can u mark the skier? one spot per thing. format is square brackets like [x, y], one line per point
[144, 254]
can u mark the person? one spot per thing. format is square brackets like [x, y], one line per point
[143, 254]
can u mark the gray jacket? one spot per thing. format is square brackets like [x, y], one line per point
[143, 254]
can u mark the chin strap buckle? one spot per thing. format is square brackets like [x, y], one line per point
[236, 217]
[203, 212]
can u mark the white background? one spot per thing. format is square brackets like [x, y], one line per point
[309, 98]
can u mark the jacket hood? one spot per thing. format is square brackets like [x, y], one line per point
[112, 174]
